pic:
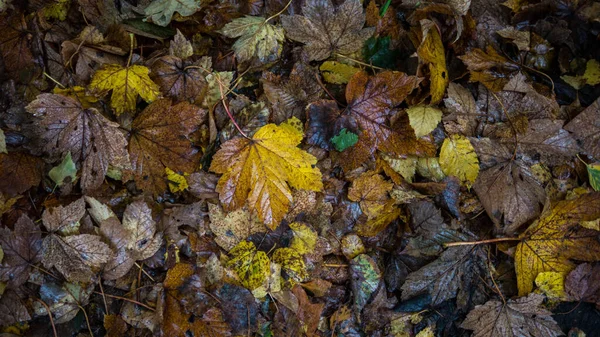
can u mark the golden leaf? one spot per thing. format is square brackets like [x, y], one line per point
[292, 263]
[126, 84]
[251, 266]
[424, 118]
[552, 242]
[305, 238]
[432, 52]
[258, 171]
[458, 158]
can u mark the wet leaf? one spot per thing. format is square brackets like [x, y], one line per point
[365, 280]
[586, 129]
[458, 158]
[19, 172]
[554, 241]
[12, 309]
[292, 263]
[95, 142]
[161, 11]
[594, 175]
[177, 182]
[423, 119]
[21, 250]
[336, 72]
[126, 84]
[327, 30]
[305, 238]
[64, 301]
[181, 79]
[233, 227]
[432, 52]
[159, 140]
[251, 266]
[143, 240]
[344, 139]
[524, 316]
[256, 38]
[66, 169]
[258, 171]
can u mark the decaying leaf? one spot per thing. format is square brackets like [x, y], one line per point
[19, 172]
[66, 169]
[327, 30]
[256, 38]
[365, 280]
[126, 84]
[524, 316]
[458, 158]
[159, 139]
[21, 250]
[233, 227]
[143, 240]
[94, 141]
[431, 51]
[252, 266]
[423, 119]
[161, 11]
[555, 240]
[258, 171]
[586, 128]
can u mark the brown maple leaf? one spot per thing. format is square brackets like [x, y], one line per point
[63, 126]
[372, 102]
[586, 128]
[15, 45]
[524, 317]
[73, 255]
[159, 139]
[327, 30]
[12, 309]
[181, 79]
[21, 250]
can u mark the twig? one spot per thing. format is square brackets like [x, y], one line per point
[359, 62]
[127, 300]
[473, 243]
[229, 112]
[145, 273]
[130, 49]
[103, 296]
[87, 320]
[280, 12]
[335, 265]
[49, 315]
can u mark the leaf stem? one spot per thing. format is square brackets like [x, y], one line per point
[473, 243]
[280, 12]
[127, 300]
[227, 108]
[49, 315]
[357, 61]
[130, 50]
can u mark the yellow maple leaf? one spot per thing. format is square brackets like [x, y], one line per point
[79, 94]
[432, 52]
[251, 265]
[258, 171]
[458, 158]
[551, 243]
[126, 84]
[305, 238]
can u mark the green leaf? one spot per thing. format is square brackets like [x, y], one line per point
[377, 52]
[256, 37]
[161, 11]
[365, 280]
[2, 142]
[344, 139]
[594, 175]
[65, 169]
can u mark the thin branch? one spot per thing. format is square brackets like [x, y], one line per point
[473, 243]
[359, 62]
[49, 315]
[127, 300]
[87, 320]
[145, 273]
[280, 12]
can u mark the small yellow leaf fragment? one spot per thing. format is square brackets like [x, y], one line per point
[295, 124]
[336, 72]
[594, 175]
[305, 238]
[177, 182]
[292, 263]
[79, 94]
[592, 72]
[126, 84]
[458, 158]
[552, 284]
[424, 118]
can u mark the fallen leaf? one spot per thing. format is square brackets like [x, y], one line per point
[66, 169]
[552, 242]
[233, 227]
[143, 240]
[424, 118]
[12, 309]
[176, 181]
[458, 158]
[551, 284]
[251, 266]
[292, 263]
[488, 67]
[582, 283]
[19, 172]
[126, 84]
[336, 72]
[365, 280]
[256, 38]
[305, 238]
[181, 79]
[180, 46]
[161, 11]
[21, 251]
[327, 30]
[594, 175]
[344, 139]
[432, 52]
[586, 129]
[258, 171]
[93, 140]
[524, 316]
[64, 301]
[458, 272]
[159, 139]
